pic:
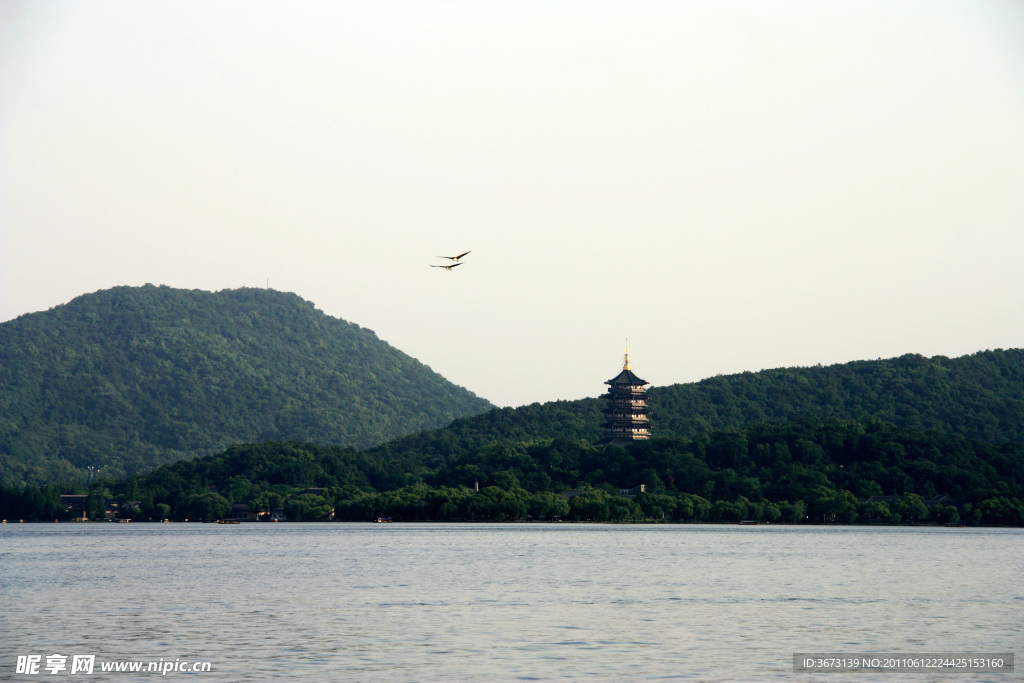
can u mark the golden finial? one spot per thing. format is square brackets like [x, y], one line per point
[626, 365]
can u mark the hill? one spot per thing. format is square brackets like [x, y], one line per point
[133, 377]
[980, 396]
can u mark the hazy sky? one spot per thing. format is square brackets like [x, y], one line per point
[731, 185]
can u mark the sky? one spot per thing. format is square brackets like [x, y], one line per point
[730, 186]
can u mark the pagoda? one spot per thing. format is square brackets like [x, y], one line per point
[626, 413]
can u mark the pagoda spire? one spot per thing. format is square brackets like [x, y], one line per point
[626, 366]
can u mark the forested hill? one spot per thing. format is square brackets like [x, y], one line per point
[133, 377]
[980, 396]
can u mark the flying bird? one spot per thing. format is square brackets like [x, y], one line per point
[454, 258]
[448, 267]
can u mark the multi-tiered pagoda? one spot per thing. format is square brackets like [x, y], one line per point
[626, 413]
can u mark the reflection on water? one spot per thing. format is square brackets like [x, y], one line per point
[443, 601]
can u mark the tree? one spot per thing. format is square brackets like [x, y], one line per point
[727, 449]
[837, 506]
[493, 504]
[911, 507]
[793, 513]
[658, 506]
[771, 512]
[693, 508]
[546, 505]
[875, 511]
[945, 514]
[205, 506]
[265, 502]
[726, 511]
[622, 509]
[363, 506]
[505, 479]
[307, 508]
[590, 505]
[96, 503]
[1002, 510]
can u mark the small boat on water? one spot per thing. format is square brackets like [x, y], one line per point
[382, 519]
[746, 522]
[228, 521]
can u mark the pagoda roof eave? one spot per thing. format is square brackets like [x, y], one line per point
[627, 377]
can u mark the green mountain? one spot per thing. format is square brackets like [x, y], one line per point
[133, 377]
[980, 396]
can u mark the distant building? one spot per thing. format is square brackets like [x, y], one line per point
[944, 499]
[242, 513]
[633, 492]
[626, 413]
[880, 499]
[75, 504]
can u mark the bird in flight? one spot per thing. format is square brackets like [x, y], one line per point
[448, 267]
[454, 258]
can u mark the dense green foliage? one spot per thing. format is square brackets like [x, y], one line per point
[129, 378]
[806, 471]
[979, 396]
[126, 379]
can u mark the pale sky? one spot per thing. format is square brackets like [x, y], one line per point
[730, 185]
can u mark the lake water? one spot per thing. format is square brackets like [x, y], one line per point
[411, 602]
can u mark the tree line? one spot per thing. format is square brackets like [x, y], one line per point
[804, 471]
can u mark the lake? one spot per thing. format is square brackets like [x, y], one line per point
[412, 602]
